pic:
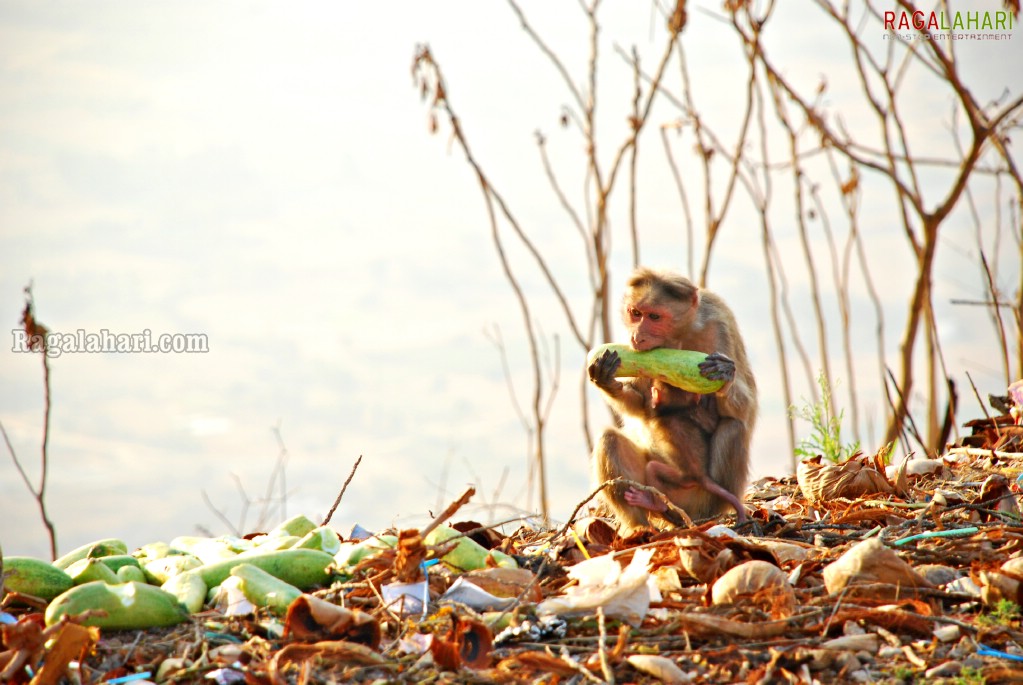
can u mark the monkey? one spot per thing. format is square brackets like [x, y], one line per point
[693, 448]
[679, 426]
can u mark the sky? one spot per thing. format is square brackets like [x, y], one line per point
[264, 174]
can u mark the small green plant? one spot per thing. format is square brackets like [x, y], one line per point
[826, 427]
[970, 676]
[1004, 613]
[904, 674]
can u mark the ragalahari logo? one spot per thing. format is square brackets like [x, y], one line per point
[975, 24]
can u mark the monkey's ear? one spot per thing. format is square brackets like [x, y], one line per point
[696, 298]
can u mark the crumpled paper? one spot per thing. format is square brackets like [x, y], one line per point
[623, 593]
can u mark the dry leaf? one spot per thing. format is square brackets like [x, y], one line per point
[445, 654]
[340, 651]
[35, 331]
[467, 643]
[850, 186]
[409, 554]
[706, 624]
[475, 642]
[71, 642]
[536, 662]
[487, 538]
[660, 667]
[677, 21]
[24, 641]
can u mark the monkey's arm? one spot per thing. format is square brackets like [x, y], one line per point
[737, 398]
[625, 397]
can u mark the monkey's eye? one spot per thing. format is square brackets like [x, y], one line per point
[654, 317]
[635, 314]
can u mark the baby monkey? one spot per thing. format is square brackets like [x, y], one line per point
[693, 448]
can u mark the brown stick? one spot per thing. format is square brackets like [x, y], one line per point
[998, 433]
[449, 512]
[342, 493]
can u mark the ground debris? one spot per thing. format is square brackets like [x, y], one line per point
[915, 577]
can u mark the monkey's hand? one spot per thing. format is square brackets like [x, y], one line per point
[602, 372]
[717, 367]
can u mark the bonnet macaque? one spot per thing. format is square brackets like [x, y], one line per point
[693, 448]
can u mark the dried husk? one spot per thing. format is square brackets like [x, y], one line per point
[1003, 583]
[694, 557]
[785, 552]
[996, 495]
[311, 619]
[916, 466]
[871, 569]
[593, 530]
[851, 479]
[758, 582]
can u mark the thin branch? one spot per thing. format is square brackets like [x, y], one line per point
[840, 275]
[541, 143]
[680, 187]
[424, 60]
[37, 334]
[279, 473]
[527, 27]
[983, 407]
[449, 512]
[221, 516]
[17, 462]
[341, 494]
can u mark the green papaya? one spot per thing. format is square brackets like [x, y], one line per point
[124, 606]
[34, 577]
[679, 368]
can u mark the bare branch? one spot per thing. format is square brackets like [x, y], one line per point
[341, 494]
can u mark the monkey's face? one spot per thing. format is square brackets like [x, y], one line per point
[649, 327]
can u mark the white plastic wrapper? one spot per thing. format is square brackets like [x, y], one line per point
[406, 598]
[464, 592]
[623, 593]
[230, 599]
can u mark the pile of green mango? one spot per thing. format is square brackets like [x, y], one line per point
[161, 584]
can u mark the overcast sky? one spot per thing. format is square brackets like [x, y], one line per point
[263, 173]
